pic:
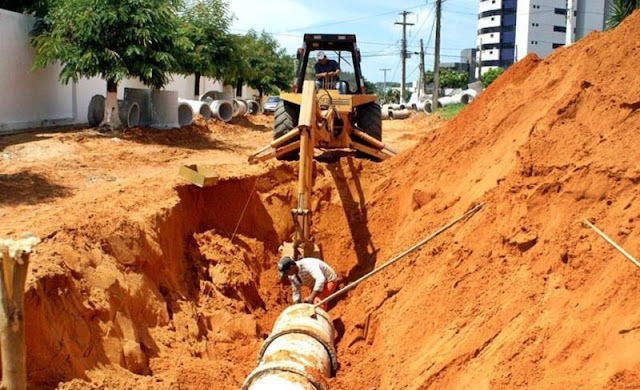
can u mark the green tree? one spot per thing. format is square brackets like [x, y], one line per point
[620, 9]
[261, 64]
[206, 24]
[369, 87]
[489, 76]
[113, 39]
[452, 79]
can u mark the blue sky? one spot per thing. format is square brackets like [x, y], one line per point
[373, 23]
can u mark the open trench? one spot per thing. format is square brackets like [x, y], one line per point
[186, 296]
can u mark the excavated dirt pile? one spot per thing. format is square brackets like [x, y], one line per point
[523, 294]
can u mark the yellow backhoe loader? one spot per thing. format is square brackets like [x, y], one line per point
[330, 115]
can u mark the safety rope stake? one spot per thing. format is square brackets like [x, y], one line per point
[399, 256]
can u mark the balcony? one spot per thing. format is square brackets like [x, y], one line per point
[489, 5]
[488, 38]
[492, 21]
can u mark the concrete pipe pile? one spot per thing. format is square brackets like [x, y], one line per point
[164, 109]
[253, 107]
[468, 96]
[420, 106]
[399, 114]
[222, 110]
[239, 107]
[298, 355]
[143, 98]
[197, 106]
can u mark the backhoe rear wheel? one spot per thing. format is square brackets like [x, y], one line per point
[284, 120]
[369, 119]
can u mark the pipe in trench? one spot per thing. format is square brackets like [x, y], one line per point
[222, 110]
[299, 354]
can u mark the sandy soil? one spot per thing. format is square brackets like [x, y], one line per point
[145, 281]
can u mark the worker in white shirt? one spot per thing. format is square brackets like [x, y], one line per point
[311, 272]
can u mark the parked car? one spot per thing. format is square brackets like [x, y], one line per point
[270, 104]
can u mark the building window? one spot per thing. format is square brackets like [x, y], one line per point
[535, 24]
[560, 11]
[562, 29]
[557, 45]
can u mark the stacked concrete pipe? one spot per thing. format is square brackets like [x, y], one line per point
[164, 109]
[299, 354]
[428, 106]
[222, 110]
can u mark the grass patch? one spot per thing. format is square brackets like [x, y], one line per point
[449, 112]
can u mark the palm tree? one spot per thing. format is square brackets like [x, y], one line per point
[620, 9]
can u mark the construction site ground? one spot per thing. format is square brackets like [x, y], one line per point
[145, 281]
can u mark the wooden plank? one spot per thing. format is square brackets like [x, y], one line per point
[199, 175]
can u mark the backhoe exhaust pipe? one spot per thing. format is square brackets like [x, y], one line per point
[299, 354]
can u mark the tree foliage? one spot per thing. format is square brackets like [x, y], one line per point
[448, 78]
[113, 39]
[489, 76]
[620, 9]
[205, 23]
[261, 63]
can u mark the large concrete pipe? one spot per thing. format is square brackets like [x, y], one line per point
[222, 110]
[420, 106]
[449, 100]
[428, 109]
[210, 96]
[468, 96]
[239, 107]
[384, 111]
[96, 110]
[399, 114]
[129, 113]
[143, 98]
[299, 354]
[253, 107]
[185, 114]
[164, 109]
[198, 107]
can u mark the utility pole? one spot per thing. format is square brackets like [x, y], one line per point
[421, 86]
[403, 53]
[480, 61]
[384, 83]
[436, 65]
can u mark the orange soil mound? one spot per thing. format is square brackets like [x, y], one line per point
[521, 294]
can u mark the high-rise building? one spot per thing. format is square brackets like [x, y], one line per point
[508, 30]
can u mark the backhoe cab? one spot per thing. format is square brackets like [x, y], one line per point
[320, 118]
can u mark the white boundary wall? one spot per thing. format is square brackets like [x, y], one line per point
[37, 99]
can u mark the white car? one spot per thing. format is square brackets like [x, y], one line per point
[271, 104]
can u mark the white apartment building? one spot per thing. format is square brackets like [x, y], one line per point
[508, 30]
